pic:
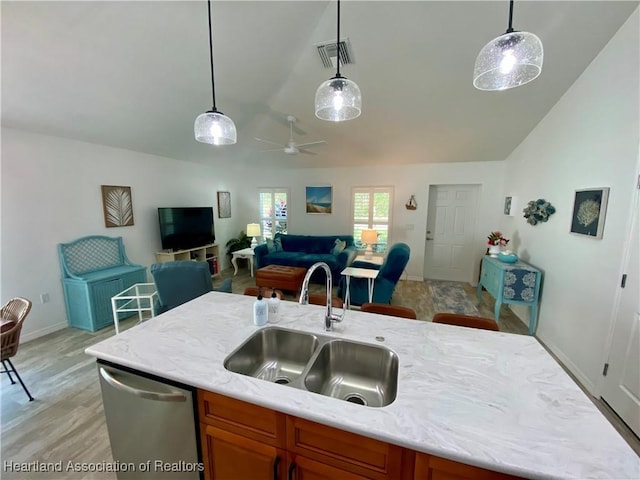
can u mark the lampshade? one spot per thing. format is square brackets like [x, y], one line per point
[253, 230]
[369, 236]
[215, 128]
[338, 99]
[508, 61]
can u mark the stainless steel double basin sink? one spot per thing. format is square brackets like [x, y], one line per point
[356, 372]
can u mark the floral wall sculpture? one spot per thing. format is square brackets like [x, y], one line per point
[538, 211]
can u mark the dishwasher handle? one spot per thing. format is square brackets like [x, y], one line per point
[161, 397]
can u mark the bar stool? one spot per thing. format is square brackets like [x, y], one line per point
[466, 321]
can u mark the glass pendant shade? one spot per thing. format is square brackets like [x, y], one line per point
[338, 99]
[508, 61]
[215, 128]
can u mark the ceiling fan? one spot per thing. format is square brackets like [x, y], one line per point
[291, 147]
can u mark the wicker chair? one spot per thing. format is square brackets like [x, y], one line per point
[466, 321]
[386, 309]
[12, 315]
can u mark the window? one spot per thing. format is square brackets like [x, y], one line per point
[371, 209]
[273, 211]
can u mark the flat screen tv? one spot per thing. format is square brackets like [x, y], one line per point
[186, 227]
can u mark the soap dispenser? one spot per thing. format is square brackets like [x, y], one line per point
[260, 311]
[274, 307]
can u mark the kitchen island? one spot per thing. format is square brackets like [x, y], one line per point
[493, 400]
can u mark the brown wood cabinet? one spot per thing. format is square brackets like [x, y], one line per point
[244, 441]
[429, 467]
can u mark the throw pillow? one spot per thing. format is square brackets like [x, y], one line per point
[270, 245]
[277, 244]
[338, 246]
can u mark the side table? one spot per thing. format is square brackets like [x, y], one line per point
[140, 297]
[511, 283]
[246, 253]
[368, 273]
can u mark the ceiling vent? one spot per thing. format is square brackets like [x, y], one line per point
[329, 56]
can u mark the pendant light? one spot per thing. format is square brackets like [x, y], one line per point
[508, 61]
[214, 127]
[338, 99]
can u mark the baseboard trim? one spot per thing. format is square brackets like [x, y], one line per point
[24, 338]
[572, 369]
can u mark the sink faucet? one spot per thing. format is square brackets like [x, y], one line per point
[329, 317]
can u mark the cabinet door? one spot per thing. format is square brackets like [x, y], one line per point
[302, 468]
[344, 450]
[228, 456]
[435, 468]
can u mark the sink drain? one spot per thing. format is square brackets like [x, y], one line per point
[282, 380]
[356, 398]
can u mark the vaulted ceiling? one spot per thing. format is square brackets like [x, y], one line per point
[134, 75]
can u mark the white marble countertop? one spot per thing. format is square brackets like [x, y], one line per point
[494, 400]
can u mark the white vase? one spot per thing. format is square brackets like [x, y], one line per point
[494, 250]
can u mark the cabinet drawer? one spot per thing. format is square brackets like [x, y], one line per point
[251, 421]
[347, 451]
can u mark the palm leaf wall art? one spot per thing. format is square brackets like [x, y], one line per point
[117, 206]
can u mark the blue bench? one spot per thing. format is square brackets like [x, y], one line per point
[94, 269]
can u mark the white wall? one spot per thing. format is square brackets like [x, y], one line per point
[589, 139]
[51, 194]
[408, 226]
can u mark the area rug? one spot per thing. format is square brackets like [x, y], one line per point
[450, 297]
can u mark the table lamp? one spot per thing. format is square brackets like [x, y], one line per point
[253, 230]
[369, 237]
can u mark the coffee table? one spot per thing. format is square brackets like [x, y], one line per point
[368, 273]
[139, 298]
[281, 277]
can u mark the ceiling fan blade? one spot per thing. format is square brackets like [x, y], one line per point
[308, 152]
[310, 144]
[269, 141]
[272, 150]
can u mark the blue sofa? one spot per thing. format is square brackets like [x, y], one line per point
[305, 250]
[384, 284]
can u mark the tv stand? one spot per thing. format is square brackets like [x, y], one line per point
[206, 253]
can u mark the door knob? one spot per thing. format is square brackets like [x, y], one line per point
[428, 238]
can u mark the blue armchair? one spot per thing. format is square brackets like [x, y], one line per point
[384, 284]
[179, 282]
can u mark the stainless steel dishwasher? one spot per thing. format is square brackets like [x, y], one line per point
[151, 424]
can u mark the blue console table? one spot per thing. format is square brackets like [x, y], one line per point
[511, 283]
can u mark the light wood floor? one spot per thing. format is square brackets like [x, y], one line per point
[66, 423]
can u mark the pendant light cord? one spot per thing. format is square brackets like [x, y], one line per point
[338, 42]
[510, 29]
[213, 88]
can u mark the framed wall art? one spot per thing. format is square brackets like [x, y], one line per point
[510, 205]
[224, 205]
[117, 206]
[507, 205]
[589, 212]
[319, 199]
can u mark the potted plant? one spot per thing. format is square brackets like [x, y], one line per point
[496, 241]
[238, 243]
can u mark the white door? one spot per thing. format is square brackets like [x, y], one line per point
[621, 387]
[451, 221]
